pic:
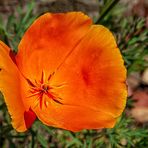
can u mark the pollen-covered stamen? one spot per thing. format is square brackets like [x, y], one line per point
[40, 88]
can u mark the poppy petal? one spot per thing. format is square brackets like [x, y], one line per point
[49, 40]
[10, 88]
[74, 118]
[94, 73]
[94, 93]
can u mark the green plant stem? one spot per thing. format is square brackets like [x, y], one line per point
[106, 9]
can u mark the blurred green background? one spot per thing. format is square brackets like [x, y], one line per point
[128, 20]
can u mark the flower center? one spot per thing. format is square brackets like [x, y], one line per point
[45, 88]
[42, 92]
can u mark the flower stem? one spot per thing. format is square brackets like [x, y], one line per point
[106, 9]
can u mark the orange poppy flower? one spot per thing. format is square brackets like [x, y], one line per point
[68, 73]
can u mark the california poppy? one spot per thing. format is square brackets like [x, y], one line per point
[68, 73]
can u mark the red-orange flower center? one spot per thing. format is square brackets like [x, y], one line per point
[40, 88]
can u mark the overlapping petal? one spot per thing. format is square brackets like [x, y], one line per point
[9, 86]
[49, 40]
